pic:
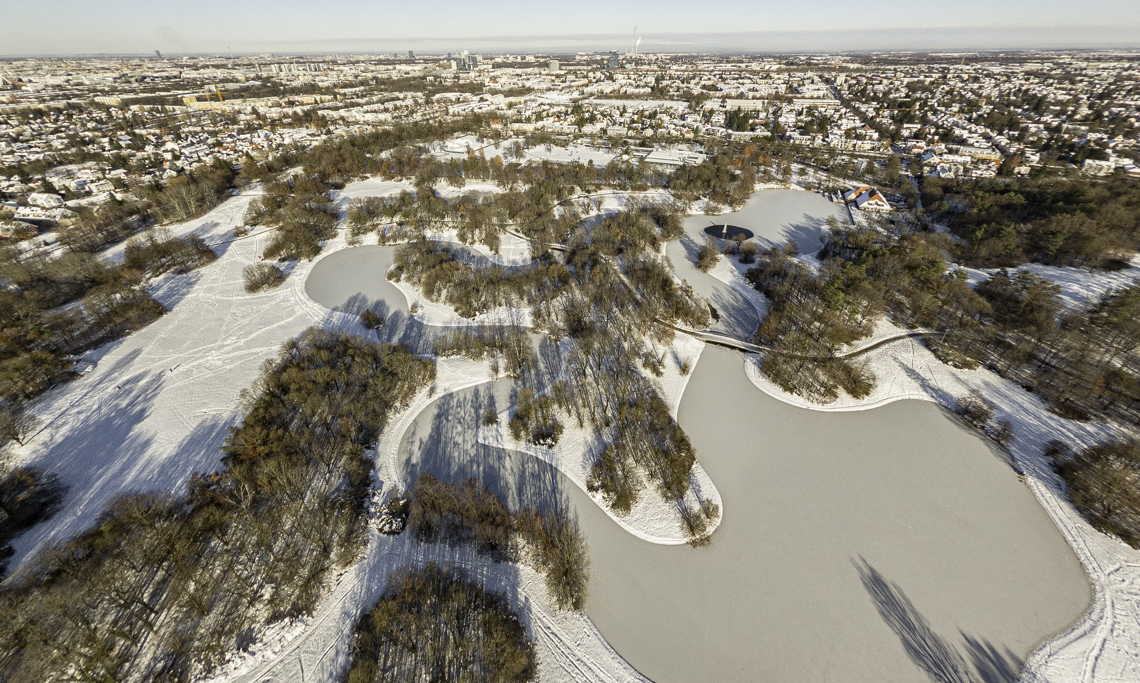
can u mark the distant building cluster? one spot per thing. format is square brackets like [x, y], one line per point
[83, 132]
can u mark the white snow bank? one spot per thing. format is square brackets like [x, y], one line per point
[731, 272]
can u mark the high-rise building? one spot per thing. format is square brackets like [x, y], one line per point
[411, 55]
[612, 62]
[552, 65]
[157, 54]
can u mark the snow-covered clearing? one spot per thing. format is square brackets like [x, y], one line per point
[459, 148]
[155, 406]
[1080, 287]
[579, 153]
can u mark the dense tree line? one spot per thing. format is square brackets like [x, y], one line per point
[507, 346]
[1104, 484]
[54, 308]
[398, 152]
[27, 496]
[192, 194]
[537, 203]
[164, 585]
[726, 179]
[302, 212]
[812, 316]
[156, 252]
[1082, 362]
[342, 159]
[182, 198]
[435, 269]
[471, 515]
[432, 624]
[1053, 220]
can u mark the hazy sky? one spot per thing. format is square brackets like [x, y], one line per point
[214, 26]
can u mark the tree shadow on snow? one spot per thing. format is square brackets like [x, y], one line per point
[174, 288]
[99, 457]
[448, 448]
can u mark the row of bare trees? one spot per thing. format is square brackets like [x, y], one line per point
[1083, 362]
[470, 514]
[434, 624]
[165, 585]
[301, 210]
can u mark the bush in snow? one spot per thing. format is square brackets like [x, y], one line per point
[259, 276]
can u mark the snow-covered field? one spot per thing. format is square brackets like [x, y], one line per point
[156, 405]
[579, 153]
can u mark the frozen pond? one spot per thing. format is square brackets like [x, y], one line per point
[848, 540]
[777, 216]
[873, 545]
[774, 216]
[354, 279]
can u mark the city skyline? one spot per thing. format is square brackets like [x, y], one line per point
[350, 26]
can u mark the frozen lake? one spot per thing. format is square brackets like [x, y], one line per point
[777, 216]
[848, 540]
[872, 545]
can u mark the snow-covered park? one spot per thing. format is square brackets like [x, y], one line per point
[155, 407]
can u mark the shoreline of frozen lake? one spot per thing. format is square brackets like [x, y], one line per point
[842, 535]
[775, 216]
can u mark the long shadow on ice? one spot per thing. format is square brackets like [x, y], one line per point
[939, 659]
[738, 317]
